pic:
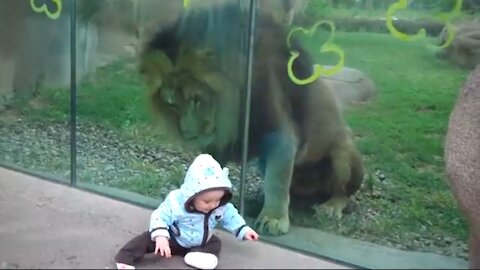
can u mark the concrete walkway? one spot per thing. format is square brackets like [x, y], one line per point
[49, 225]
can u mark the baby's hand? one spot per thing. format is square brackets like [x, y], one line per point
[162, 246]
[251, 235]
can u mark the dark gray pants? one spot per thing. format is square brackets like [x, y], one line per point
[135, 249]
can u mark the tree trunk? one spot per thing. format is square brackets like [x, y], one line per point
[462, 156]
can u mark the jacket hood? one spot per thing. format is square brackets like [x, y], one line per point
[205, 174]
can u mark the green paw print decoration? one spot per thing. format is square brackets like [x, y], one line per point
[421, 34]
[328, 46]
[51, 8]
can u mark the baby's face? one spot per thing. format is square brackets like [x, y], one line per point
[207, 201]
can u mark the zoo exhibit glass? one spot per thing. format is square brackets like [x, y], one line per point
[394, 92]
[34, 88]
[392, 87]
[126, 147]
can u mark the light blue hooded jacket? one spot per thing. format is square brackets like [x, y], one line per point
[190, 227]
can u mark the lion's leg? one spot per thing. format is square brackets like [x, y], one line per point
[278, 157]
[341, 166]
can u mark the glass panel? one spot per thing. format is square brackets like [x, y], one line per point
[353, 112]
[349, 108]
[135, 54]
[34, 86]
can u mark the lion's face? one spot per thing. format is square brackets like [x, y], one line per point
[190, 105]
[195, 101]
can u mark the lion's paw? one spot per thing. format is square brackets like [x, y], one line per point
[272, 224]
[334, 207]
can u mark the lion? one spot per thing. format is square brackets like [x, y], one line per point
[297, 132]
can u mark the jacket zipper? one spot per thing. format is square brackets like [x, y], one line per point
[205, 228]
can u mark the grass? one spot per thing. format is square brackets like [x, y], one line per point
[401, 133]
[317, 9]
[114, 96]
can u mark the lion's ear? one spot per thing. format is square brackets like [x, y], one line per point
[154, 66]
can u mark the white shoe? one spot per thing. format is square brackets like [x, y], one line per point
[124, 266]
[201, 260]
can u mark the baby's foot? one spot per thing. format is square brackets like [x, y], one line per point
[124, 266]
[201, 260]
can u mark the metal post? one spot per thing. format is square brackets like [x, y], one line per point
[73, 94]
[250, 48]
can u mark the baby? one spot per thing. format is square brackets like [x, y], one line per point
[183, 223]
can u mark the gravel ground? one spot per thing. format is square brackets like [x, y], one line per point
[106, 158]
